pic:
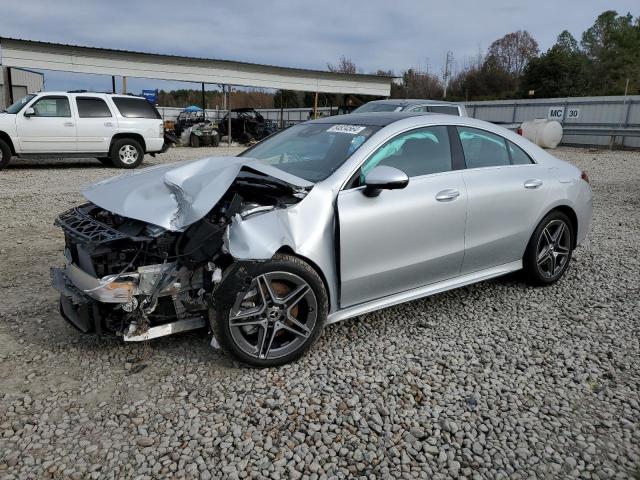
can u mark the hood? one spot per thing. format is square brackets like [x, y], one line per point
[176, 195]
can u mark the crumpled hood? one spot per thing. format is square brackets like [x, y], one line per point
[176, 195]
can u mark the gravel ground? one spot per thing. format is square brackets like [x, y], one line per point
[496, 380]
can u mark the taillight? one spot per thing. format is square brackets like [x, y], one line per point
[584, 176]
[519, 131]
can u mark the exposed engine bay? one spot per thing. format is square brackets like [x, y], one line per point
[141, 280]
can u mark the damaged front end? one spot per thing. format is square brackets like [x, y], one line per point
[140, 280]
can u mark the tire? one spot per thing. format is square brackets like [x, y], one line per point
[549, 251]
[106, 161]
[289, 329]
[5, 154]
[126, 153]
[194, 141]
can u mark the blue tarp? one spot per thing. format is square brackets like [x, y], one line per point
[193, 108]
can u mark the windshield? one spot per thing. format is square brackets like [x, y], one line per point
[16, 107]
[378, 107]
[311, 151]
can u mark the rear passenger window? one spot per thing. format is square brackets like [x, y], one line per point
[135, 108]
[518, 156]
[419, 152]
[92, 107]
[483, 149]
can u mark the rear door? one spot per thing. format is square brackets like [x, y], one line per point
[403, 239]
[506, 192]
[96, 124]
[52, 128]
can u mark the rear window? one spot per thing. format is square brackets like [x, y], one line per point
[92, 107]
[135, 108]
[444, 109]
[378, 107]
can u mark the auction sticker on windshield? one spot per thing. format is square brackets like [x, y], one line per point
[351, 129]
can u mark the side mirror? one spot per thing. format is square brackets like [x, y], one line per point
[384, 177]
[29, 112]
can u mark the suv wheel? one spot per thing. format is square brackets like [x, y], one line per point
[5, 154]
[126, 153]
[274, 315]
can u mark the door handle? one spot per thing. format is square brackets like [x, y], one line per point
[447, 195]
[108, 124]
[68, 124]
[533, 183]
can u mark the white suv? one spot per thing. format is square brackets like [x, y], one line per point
[116, 129]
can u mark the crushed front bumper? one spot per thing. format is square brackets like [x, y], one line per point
[77, 308]
[109, 289]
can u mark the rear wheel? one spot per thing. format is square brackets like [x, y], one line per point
[126, 153]
[5, 154]
[194, 141]
[549, 251]
[275, 316]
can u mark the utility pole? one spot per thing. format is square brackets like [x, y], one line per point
[448, 63]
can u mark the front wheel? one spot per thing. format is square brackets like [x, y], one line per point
[274, 314]
[5, 154]
[126, 153]
[549, 251]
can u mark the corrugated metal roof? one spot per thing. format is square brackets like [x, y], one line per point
[181, 57]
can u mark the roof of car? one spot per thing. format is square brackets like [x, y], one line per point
[412, 101]
[377, 119]
[86, 92]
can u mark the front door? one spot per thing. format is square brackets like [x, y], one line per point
[403, 239]
[51, 129]
[96, 125]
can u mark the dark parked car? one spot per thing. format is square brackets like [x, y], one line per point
[247, 125]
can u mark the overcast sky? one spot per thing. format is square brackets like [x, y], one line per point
[375, 34]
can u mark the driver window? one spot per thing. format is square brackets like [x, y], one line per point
[52, 107]
[418, 152]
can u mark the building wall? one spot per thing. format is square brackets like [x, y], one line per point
[23, 81]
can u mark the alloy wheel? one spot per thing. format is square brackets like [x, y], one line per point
[128, 154]
[553, 249]
[275, 316]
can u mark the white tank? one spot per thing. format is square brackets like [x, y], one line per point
[542, 132]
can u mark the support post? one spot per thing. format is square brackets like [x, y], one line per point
[315, 106]
[124, 85]
[113, 84]
[229, 116]
[204, 104]
[8, 87]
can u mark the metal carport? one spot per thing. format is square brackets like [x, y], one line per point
[78, 59]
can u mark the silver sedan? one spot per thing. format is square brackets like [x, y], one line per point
[324, 221]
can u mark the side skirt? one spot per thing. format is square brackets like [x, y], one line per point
[425, 291]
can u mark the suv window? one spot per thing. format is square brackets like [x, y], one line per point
[483, 149]
[52, 107]
[92, 107]
[135, 108]
[518, 156]
[418, 152]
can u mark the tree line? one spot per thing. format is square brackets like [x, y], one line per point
[606, 61]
